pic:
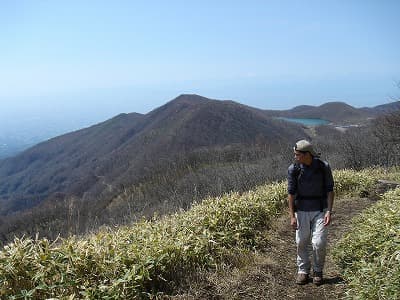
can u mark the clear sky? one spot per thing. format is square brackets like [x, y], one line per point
[95, 59]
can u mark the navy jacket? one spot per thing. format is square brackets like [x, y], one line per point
[310, 185]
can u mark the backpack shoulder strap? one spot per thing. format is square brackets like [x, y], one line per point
[322, 164]
[297, 170]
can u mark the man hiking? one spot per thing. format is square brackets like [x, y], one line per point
[310, 196]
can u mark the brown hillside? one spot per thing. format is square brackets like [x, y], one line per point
[99, 162]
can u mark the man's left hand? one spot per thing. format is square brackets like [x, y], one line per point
[327, 218]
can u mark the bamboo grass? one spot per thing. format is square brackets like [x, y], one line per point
[370, 252]
[148, 257]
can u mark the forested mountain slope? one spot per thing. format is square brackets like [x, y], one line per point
[140, 157]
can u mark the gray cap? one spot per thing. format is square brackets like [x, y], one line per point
[305, 146]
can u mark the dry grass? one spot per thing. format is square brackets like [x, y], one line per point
[153, 258]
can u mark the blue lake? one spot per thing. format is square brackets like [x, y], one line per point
[307, 122]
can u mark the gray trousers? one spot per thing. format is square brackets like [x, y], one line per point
[311, 238]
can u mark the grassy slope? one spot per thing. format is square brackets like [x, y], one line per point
[149, 256]
[370, 252]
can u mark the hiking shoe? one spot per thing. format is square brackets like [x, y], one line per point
[301, 278]
[317, 278]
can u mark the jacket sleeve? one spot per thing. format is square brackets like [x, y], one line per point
[292, 180]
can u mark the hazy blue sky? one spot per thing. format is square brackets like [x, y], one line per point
[94, 59]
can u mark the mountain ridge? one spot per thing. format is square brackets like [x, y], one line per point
[80, 162]
[335, 112]
[135, 163]
[15, 141]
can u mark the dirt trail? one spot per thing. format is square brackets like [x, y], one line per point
[271, 274]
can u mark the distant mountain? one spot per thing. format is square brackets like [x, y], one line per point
[383, 109]
[19, 135]
[99, 161]
[336, 112]
[136, 164]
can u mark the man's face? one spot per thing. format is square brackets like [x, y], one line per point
[300, 157]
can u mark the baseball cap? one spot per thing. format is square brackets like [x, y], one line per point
[305, 146]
